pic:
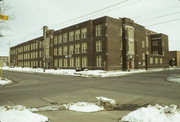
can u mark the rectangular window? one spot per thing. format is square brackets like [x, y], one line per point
[60, 51]
[84, 61]
[98, 46]
[60, 39]
[78, 62]
[98, 61]
[77, 35]
[71, 36]
[60, 62]
[71, 49]
[65, 50]
[55, 40]
[55, 52]
[71, 62]
[55, 62]
[156, 60]
[154, 43]
[65, 37]
[98, 30]
[65, 62]
[155, 52]
[151, 60]
[77, 48]
[84, 33]
[84, 47]
[161, 61]
[143, 44]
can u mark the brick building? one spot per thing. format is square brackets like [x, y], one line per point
[4, 60]
[104, 43]
[174, 58]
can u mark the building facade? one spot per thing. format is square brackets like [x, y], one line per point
[4, 60]
[174, 58]
[104, 43]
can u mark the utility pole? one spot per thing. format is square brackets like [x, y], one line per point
[146, 61]
[45, 28]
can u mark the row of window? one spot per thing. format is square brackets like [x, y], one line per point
[31, 55]
[156, 60]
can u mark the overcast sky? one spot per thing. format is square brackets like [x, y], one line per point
[31, 15]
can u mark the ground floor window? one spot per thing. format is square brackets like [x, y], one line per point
[84, 61]
[60, 62]
[78, 61]
[65, 62]
[71, 62]
[98, 61]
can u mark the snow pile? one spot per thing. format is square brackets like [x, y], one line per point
[5, 81]
[83, 107]
[19, 114]
[86, 73]
[106, 102]
[155, 113]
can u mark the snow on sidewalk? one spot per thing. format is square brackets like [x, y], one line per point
[87, 73]
[5, 81]
[155, 113]
[19, 114]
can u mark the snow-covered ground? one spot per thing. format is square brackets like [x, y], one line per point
[19, 114]
[155, 113]
[88, 73]
[174, 78]
[5, 81]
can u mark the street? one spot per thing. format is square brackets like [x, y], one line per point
[36, 90]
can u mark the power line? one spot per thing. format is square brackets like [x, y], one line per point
[160, 16]
[163, 22]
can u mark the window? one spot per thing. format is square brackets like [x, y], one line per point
[143, 44]
[55, 52]
[71, 62]
[71, 49]
[65, 50]
[154, 43]
[84, 61]
[147, 52]
[77, 34]
[55, 40]
[65, 62]
[60, 62]
[77, 48]
[162, 43]
[84, 47]
[156, 60]
[64, 37]
[60, 39]
[78, 61]
[155, 52]
[84, 33]
[143, 63]
[71, 36]
[98, 61]
[161, 61]
[55, 62]
[143, 56]
[151, 60]
[60, 50]
[98, 46]
[98, 30]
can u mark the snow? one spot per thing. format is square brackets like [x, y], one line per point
[174, 78]
[84, 107]
[5, 81]
[104, 99]
[87, 73]
[155, 113]
[19, 114]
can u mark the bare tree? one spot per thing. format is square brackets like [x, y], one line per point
[4, 7]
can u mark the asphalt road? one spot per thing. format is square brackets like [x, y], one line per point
[36, 90]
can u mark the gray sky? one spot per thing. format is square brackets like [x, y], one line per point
[31, 16]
